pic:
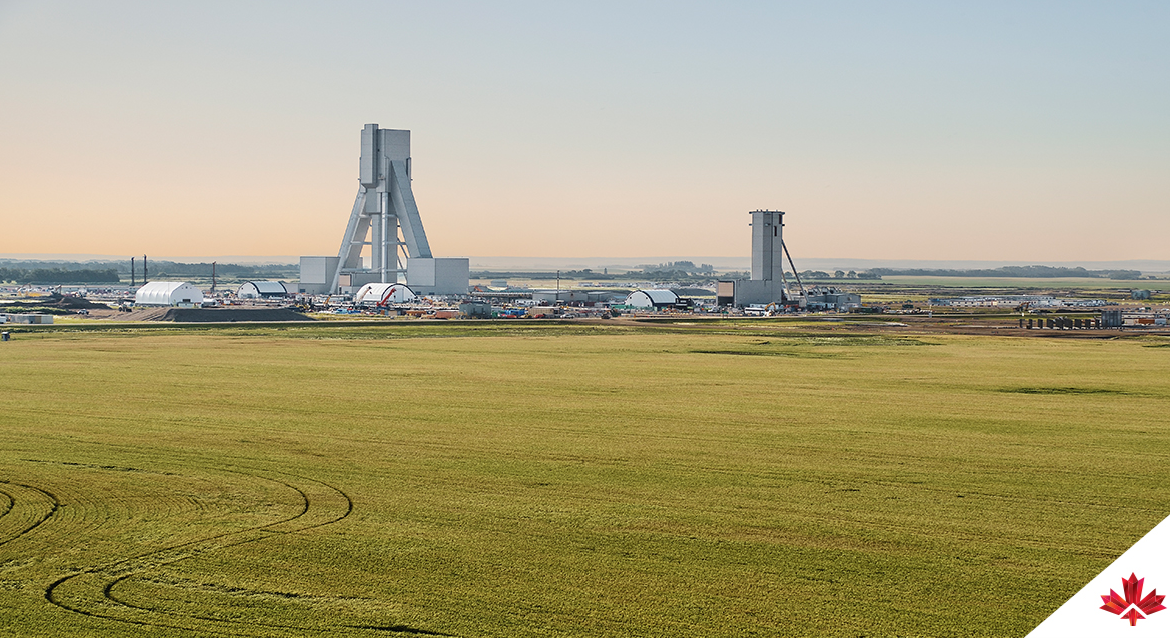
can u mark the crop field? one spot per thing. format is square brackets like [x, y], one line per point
[1011, 285]
[504, 479]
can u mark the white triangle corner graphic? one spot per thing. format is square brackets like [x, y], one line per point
[1082, 616]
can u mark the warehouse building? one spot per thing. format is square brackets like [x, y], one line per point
[654, 300]
[168, 293]
[832, 299]
[572, 297]
[262, 290]
[379, 294]
[317, 274]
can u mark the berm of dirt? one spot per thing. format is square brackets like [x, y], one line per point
[210, 315]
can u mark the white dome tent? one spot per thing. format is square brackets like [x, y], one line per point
[168, 293]
[652, 299]
[381, 294]
[261, 290]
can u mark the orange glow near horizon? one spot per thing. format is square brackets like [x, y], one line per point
[884, 135]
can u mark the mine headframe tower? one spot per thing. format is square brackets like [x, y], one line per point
[768, 253]
[384, 216]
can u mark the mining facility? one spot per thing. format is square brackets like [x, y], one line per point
[385, 219]
[385, 266]
[385, 242]
[768, 284]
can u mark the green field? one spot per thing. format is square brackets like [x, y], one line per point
[515, 479]
[1012, 285]
[895, 289]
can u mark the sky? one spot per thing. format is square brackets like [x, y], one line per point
[1014, 131]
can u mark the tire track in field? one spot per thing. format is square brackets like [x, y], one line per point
[90, 592]
[28, 508]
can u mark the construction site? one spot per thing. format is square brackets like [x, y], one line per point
[385, 267]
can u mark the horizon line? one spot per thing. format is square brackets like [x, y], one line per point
[736, 261]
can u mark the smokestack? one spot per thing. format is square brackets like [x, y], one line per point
[144, 270]
[132, 284]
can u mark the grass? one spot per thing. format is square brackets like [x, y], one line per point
[1009, 284]
[520, 479]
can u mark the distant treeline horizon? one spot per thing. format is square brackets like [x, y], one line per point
[672, 272]
[58, 276]
[38, 272]
[24, 271]
[1039, 272]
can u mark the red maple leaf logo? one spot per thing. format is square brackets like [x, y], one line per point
[1133, 606]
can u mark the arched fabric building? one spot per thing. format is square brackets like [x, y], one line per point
[261, 289]
[168, 293]
[382, 294]
[656, 299]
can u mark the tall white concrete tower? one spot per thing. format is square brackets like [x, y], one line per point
[768, 283]
[767, 245]
[384, 216]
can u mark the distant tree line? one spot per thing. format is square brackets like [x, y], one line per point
[688, 267]
[839, 274]
[676, 271]
[163, 268]
[682, 272]
[71, 272]
[1011, 271]
[585, 273]
[58, 276]
[34, 264]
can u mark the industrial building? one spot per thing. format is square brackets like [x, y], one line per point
[1031, 302]
[383, 294]
[35, 318]
[168, 293]
[439, 276]
[832, 299]
[261, 290]
[476, 310]
[317, 275]
[576, 297]
[654, 299]
[384, 218]
[768, 283]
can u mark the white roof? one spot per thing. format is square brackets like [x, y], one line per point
[376, 293]
[656, 296]
[168, 293]
[662, 296]
[262, 288]
[269, 287]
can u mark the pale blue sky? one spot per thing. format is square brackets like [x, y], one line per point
[896, 130]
